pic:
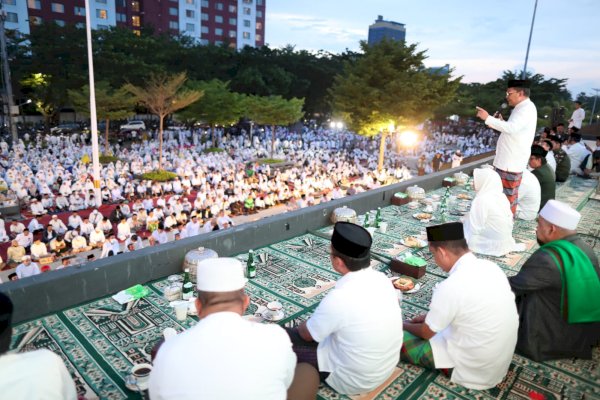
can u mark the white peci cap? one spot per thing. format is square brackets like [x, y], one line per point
[220, 275]
[560, 214]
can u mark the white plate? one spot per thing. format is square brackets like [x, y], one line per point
[423, 220]
[413, 290]
[277, 317]
[422, 243]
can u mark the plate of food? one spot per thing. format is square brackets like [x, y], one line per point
[405, 284]
[411, 241]
[423, 216]
[463, 196]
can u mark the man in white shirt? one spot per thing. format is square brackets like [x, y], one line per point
[37, 208]
[472, 323]
[38, 374]
[516, 135]
[193, 227]
[577, 153]
[578, 116]
[224, 221]
[74, 221]
[530, 196]
[86, 227]
[57, 225]
[25, 239]
[35, 226]
[27, 268]
[357, 327]
[223, 356]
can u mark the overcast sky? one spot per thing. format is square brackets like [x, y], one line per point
[479, 39]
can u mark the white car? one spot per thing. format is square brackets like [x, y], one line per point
[133, 125]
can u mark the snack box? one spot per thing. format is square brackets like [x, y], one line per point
[414, 271]
[400, 198]
[449, 182]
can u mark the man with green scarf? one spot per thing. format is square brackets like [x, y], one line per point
[558, 290]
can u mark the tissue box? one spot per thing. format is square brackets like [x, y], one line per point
[449, 182]
[403, 268]
[400, 199]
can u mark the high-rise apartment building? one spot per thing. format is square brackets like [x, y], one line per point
[386, 29]
[237, 23]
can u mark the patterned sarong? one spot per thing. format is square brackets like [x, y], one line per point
[510, 183]
[417, 351]
[306, 352]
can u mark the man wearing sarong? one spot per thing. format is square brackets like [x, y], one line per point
[516, 136]
[472, 323]
[558, 290]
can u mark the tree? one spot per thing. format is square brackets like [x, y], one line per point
[218, 105]
[389, 84]
[111, 104]
[273, 110]
[44, 95]
[162, 95]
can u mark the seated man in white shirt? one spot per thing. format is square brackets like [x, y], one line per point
[37, 374]
[74, 221]
[86, 227]
[97, 238]
[224, 221]
[35, 226]
[57, 225]
[213, 357]
[530, 196]
[355, 334]
[27, 268]
[472, 323]
[39, 249]
[78, 244]
[123, 230]
[37, 208]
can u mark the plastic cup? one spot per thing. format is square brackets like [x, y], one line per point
[383, 227]
[181, 310]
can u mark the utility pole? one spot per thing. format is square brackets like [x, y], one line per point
[594, 107]
[524, 74]
[7, 82]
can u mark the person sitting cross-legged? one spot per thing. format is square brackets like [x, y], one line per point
[558, 290]
[472, 323]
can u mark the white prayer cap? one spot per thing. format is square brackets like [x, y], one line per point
[560, 214]
[220, 275]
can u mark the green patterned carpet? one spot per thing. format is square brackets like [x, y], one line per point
[101, 340]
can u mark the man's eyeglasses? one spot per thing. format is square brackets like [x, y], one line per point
[509, 93]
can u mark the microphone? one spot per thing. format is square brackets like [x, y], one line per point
[498, 113]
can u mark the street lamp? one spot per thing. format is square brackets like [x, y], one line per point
[594, 106]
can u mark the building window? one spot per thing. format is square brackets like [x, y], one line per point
[100, 26]
[80, 25]
[258, 14]
[258, 26]
[190, 13]
[259, 2]
[190, 2]
[247, 1]
[137, 32]
[10, 2]
[246, 35]
[218, 43]
[204, 17]
[190, 28]
[232, 34]
[135, 20]
[219, 6]
[247, 23]
[135, 6]
[101, 14]
[58, 8]
[247, 10]
[174, 25]
[121, 17]
[12, 17]
[219, 19]
[35, 20]
[232, 21]
[101, 1]
[80, 11]
[218, 31]
[205, 3]
[204, 29]
[232, 9]
[258, 37]
[35, 4]
[173, 11]
[59, 22]
[120, 3]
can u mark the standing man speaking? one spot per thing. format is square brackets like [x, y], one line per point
[516, 136]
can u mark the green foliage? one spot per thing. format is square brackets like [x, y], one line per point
[214, 150]
[107, 159]
[389, 83]
[159, 176]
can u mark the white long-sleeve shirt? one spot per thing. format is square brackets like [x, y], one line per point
[516, 135]
[577, 118]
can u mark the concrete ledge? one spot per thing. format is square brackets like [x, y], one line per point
[51, 292]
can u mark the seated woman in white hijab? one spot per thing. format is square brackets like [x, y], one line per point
[488, 226]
